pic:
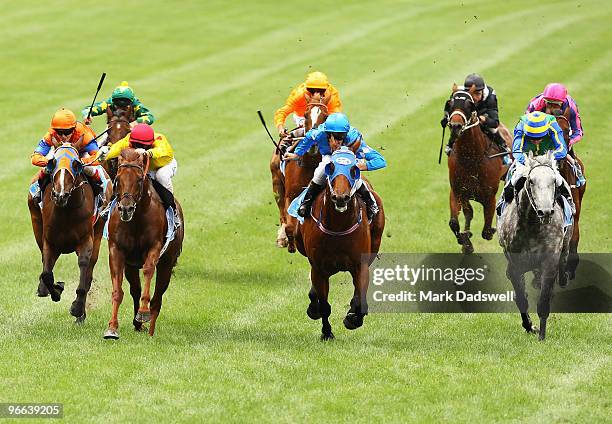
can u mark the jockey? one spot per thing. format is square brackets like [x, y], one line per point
[485, 101]
[539, 133]
[555, 100]
[335, 132]
[66, 129]
[122, 97]
[162, 166]
[316, 82]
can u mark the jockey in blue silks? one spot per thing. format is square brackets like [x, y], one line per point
[336, 131]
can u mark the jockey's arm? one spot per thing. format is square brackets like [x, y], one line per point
[143, 115]
[373, 159]
[289, 107]
[557, 136]
[161, 149]
[116, 148]
[306, 143]
[98, 109]
[517, 144]
[492, 112]
[575, 123]
[335, 104]
[39, 156]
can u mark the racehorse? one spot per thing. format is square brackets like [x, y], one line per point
[338, 237]
[118, 123]
[535, 238]
[297, 173]
[577, 193]
[67, 224]
[472, 174]
[137, 229]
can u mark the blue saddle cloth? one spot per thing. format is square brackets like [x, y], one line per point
[295, 205]
[170, 233]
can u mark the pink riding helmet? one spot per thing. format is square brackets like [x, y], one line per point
[555, 91]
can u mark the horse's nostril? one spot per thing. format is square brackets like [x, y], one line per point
[334, 197]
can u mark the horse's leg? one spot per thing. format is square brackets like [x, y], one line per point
[290, 228]
[87, 260]
[162, 280]
[37, 227]
[313, 311]
[468, 214]
[455, 208]
[117, 265]
[278, 187]
[359, 302]
[132, 274]
[46, 277]
[573, 259]
[321, 286]
[489, 212]
[520, 297]
[548, 279]
[148, 269]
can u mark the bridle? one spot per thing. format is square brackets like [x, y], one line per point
[126, 194]
[467, 123]
[74, 176]
[528, 187]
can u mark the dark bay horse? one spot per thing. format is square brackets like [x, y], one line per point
[472, 174]
[137, 229]
[118, 123]
[66, 224]
[297, 173]
[337, 237]
[534, 238]
[577, 193]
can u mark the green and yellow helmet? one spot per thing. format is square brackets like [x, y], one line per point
[123, 91]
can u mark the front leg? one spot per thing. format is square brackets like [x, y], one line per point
[144, 313]
[117, 266]
[489, 212]
[359, 302]
[46, 277]
[85, 252]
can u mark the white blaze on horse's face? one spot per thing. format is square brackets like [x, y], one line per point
[315, 111]
[542, 186]
[62, 175]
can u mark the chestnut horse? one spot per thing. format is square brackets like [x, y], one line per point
[337, 237]
[65, 225]
[577, 193]
[472, 174]
[137, 227]
[118, 122]
[297, 173]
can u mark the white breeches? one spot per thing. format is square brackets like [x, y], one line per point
[164, 175]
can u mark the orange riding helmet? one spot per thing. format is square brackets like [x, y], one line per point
[317, 80]
[63, 119]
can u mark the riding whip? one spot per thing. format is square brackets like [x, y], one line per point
[96, 95]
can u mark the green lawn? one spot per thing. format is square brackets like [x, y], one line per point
[233, 341]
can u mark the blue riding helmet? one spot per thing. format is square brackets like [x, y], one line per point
[337, 123]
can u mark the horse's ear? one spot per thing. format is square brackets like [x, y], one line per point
[455, 88]
[329, 168]
[307, 96]
[130, 110]
[109, 113]
[472, 89]
[327, 97]
[529, 157]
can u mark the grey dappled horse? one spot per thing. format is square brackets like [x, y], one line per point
[533, 236]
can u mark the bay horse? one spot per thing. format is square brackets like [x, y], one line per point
[297, 173]
[137, 229]
[577, 193]
[67, 224]
[118, 122]
[472, 174]
[338, 237]
[534, 237]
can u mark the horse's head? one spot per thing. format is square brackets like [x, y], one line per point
[130, 182]
[342, 176]
[563, 121]
[118, 120]
[463, 113]
[541, 183]
[316, 108]
[66, 166]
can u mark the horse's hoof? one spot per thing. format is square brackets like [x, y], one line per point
[326, 337]
[541, 336]
[77, 309]
[81, 319]
[139, 326]
[487, 234]
[42, 290]
[467, 249]
[532, 330]
[313, 312]
[352, 321]
[144, 316]
[111, 334]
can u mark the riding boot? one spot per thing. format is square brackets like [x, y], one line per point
[371, 206]
[43, 181]
[167, 198]
[96, 183]
[313, 190]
